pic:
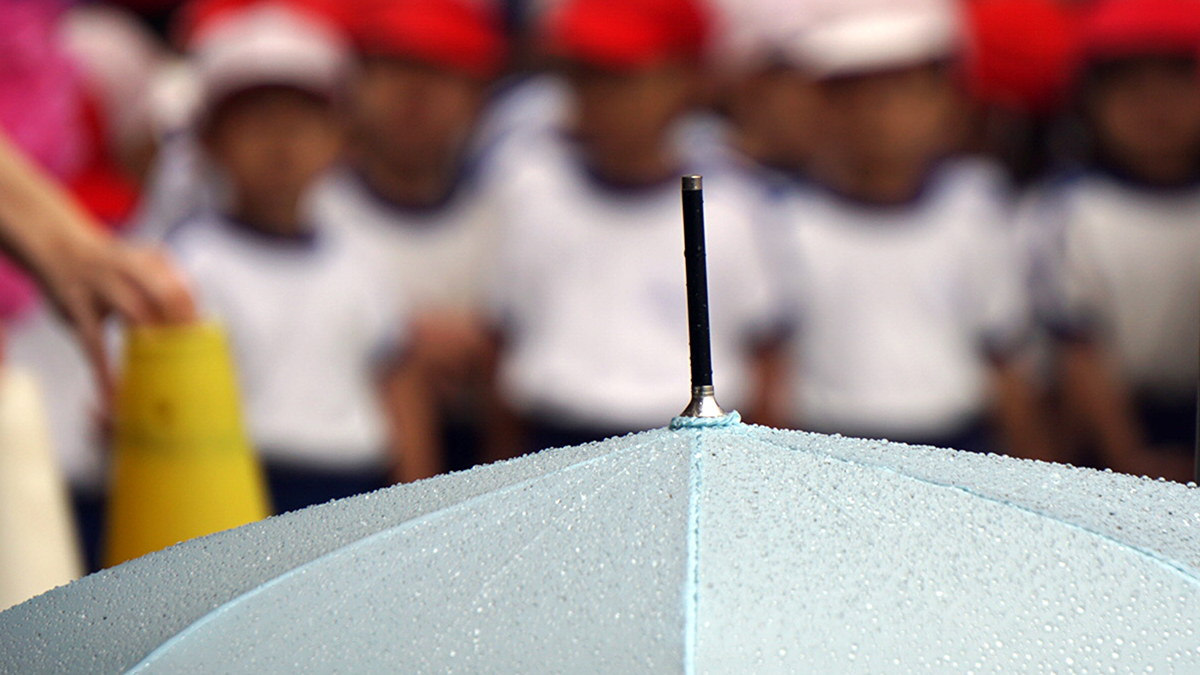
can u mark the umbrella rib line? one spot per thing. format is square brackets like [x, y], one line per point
[1183, 570]
[541, 532]
[231, 604]
[691, 594]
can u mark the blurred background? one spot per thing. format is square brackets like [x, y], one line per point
[442, 232]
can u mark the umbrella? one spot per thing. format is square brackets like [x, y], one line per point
[710, 546]
[722, 548]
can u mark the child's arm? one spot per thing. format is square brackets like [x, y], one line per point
[768, 406]
[1098, 397]
[1004, 271]
[1101, 400]
[1018, 411]
[411, 411]
[504, 436]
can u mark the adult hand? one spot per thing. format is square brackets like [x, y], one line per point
[85, 272]
[93, 276]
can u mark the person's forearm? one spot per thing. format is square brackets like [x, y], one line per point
[36, 216]
[413, 423]
[771, 371]
[504, 430]
[1024, 428]
[1098, 397]
[84, 272]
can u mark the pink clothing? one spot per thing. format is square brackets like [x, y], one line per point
[17, 292]
[41, 111]
[40, 91]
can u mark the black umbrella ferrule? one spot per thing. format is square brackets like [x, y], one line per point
[703, 402]
[699, 335]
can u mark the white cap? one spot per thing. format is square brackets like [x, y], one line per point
[118, 57]
[267, 44]
[755, 33]
[846, 38]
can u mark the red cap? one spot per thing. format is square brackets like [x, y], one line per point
[1116, 28]
[461, 35]
[1022, 52]
[628, 34]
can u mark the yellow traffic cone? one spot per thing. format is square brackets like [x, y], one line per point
[38, 545]
[182, 464]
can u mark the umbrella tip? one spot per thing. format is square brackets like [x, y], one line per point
[703, 403]
[683, 422]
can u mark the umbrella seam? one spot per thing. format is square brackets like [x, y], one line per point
[691, 595]
[1185, 571]
[542, 531]
[229, 605]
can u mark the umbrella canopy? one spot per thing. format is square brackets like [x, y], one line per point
[712, 547]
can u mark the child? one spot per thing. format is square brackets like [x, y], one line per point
[589, 298]
[1124, 235]
[411, 189]
[312, 335]
[904, 290]
[1020, 56]
[410, 184]
[766, 94]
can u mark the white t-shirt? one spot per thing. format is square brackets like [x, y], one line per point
[182, 185]
[590, 289]
[1122, 262]
[308, 324]
[895, 307]
[434, 257]
[521, 107]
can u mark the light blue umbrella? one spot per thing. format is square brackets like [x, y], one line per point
[715, 549]
[707, 547]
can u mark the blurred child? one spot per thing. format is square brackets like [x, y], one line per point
[1019, 57]
[767, 95]
[411, 190]
[410, 184]
[589, 298]
[1124, 234]
[314, 338]
[904, 288]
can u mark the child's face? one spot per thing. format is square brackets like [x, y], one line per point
[624, 115]
[898, 119]
[410, 115]
[1147, 115]
[272, 142]
[774, 106]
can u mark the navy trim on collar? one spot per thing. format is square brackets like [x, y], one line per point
[306, 238]
[1120, 174]
[610, 185]
[926, 186]
[462, 177]
[629, 189]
